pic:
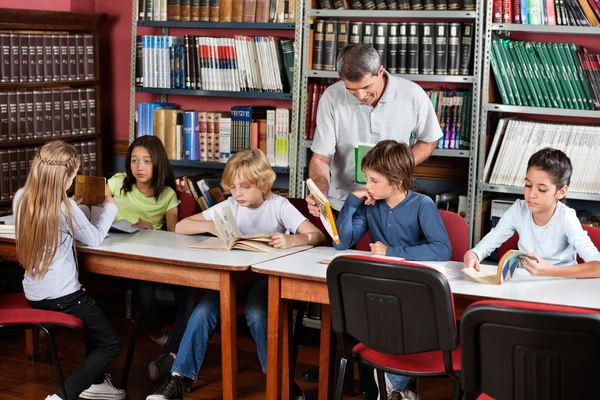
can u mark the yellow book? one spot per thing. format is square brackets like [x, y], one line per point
[91, 189]
[325, 208]
[329, 259]
[493, 275]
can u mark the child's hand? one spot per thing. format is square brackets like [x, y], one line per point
[141, 224]
[471, 260]
[77, 201]
[363, 194]
[110, 200]
[378, 249]
[281, 240]
[536, 265]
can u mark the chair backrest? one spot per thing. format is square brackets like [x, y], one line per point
[458, 232]
[363, 243]
[187, 204]
[391, 307]
[527, 351]
[301, 206]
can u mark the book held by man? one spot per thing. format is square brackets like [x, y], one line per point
[492, 275]
[325, 209]
[359, 153]
[91, 189]
[230, 236]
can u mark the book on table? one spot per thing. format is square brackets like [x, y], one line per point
[230, 236]
[91, 189]
[359, 153]
[93, 213]
[497, 275]
[325, 210]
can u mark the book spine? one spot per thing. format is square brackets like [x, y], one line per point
[90, 57]
[367, 35]
[91, 108]
[15, 58]
[38, 114]
[3, 116]
[4, 57]
[318, 44]
[355, 32]
[412, 53]
[329, 46]
[402, 47]
[441, 48]
[72, 50]
[5, 176]
[468, 5]
[64, 57]
[21, 116]
[380, 40]
[194, 10]
[454, 4]
[24, 57]
[75, 112]
[65, 99]
[185, 10]
[28, 114]
[39, 57]
[343, 35]
[11, 98]
[392, 48]
[442, 5]
[13, 160]
[466, 49]
[427, 62]
[454, 48]
[93, 158]
[47, 129]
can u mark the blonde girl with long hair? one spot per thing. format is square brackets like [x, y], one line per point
[47, 225]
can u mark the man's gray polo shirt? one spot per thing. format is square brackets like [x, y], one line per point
[343, 122]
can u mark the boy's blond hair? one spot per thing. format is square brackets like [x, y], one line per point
[252, 167]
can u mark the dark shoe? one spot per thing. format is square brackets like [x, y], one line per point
[298, 393]
[311, 375]
[172, 389]
[187, 386]
[161, 367]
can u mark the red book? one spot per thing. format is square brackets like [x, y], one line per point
[309, 102]
[516, 11]
[254, 135]
[497, 12]
[507, 12]
[551, 12]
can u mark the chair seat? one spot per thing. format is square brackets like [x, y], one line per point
[430, 362]
[14, 309]
[484, 396]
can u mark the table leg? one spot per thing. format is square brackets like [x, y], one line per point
[325, 355]
[228, 336]
[287, 370]
[31, 343]
[274, 331]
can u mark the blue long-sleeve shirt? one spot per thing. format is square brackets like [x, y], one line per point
[413, 229]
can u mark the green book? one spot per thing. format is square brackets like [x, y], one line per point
[586, 95]
[523, 71]
[520, 88]
[576, 103]
[534, 84]
[497, 54]
[548, 76]
[556, 74]
[572, 74]
[499, 79]
[359, 153]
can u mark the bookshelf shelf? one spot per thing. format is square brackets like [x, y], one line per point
[393, 14]
[217, 25]
[494, 107]
[45, 85]
[551, 29]
[451, 153]
[32, 142]
[216, 93]
[519, 190]
[216, 165]
[312, 73]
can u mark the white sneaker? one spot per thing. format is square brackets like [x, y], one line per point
[103, 391]
[53, 397]
[392, 392]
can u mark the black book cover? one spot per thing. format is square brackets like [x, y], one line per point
[29, 114]
[412, 53]
[558, 12]
[195, 41]
[89, 66]
[29, 154]
[190, 76]
[380, 41]
[355, 32]
[91, 107]
[13, 163]
[93, 157]
[24, 57]
[356, 5]
[47, 127]
[454, 4]
[368, 4]
[78, 148]
[55, 58]
[15, 58]
[318, 45]
[80, 57]
[380, 5]
[5, 176]
[40, 57]
[428, 5]
[21, 116]
[75, 114]
[85, 159]
[454, 48]
[72, 57]
[367, 34]
[337, 4]
[48, 60]
[330, 45]
[391, 4]
[343, 35]
[416, 4]
[427, 62]
[441, 5]
[83, 112]
[139, 62]
[22, 166]
[4, 57]
[402, 47]
[38, 114]
[64, 57]
[13, 120]
[33, 59]
[3, 116]
[441, 48]
[65, 99]
[325, 5]
[469, 5]
[403, 4]
[466, 49]
[392, 48]
[56, 114]
[141, 10]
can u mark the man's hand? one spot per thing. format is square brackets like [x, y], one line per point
[312, 206]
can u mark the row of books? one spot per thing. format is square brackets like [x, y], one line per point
[218, 10]
[16, 163]
[242, 63]
[556, 75]
[467, 5]
[516, 140]
[215, 136]
[46, 57]
[34, 114]
[453, 110]
[405, 48]
[547, 12]
[203, 188]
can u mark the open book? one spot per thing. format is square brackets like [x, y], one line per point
[230, 236]
[329, 259]
[91, 189]
[121, 225]
[492, 275]
[325, 208]
[359, 153]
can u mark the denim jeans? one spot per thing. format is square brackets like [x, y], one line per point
[204, 320]
[398, 382]
[102, 345]
[184, 305]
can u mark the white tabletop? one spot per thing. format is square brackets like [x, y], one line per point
[170, 246]
[522, 287]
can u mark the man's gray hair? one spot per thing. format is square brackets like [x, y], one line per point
[357, 60]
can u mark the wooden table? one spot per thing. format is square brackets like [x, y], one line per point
[302, 277]
[166, 257]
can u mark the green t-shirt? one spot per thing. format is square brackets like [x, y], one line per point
[135, 204]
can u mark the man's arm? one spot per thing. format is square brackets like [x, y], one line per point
[421, 151]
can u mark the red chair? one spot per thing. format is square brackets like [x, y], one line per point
[16, 312]
[402, 315]
[518, 350]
